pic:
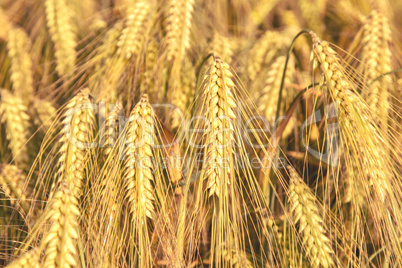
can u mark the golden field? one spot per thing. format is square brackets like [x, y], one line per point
[200, 133]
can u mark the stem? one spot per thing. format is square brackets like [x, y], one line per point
[305, 31]
[79, 242]
[384, 74]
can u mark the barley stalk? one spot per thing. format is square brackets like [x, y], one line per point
[138, 174]
[58, 19]
[111, 128]
[305, 212]
[220, 103]
[364, 138]
[138, 165]
[29, 259]
[265, 51]
[267, 98]
[45, 113]
[178, 25]
[181, 97]
[135, 30]
[75, 140]
[60, 238]
[19, 46]
[376, 54]
[13, 114]
[12, 182]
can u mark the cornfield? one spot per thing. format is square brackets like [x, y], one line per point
[200, 133]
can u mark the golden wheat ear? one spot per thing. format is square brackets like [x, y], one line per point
[111, 129]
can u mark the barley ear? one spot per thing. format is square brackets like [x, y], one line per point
[138, 165]
[376, 55]
[12, 182]
[59, 241]
[76, 140]
[138, 175]
[134, 33]
[19, 46]
[13, 113]
[220, 113]
[178, 20]
[61, 32]
[29, 259]
[311, 226]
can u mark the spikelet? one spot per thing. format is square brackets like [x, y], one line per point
[269, 46]
[111, 128]
[12, 182]
[75, 141]
[60, 238]
[220, 103]
[268, 97]
[13, 113]
[29, 259]
[62, 35]
[376, 55]
[178, 25]
[135, 30]
[19, 46]
[305, 212]
[138, 164]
